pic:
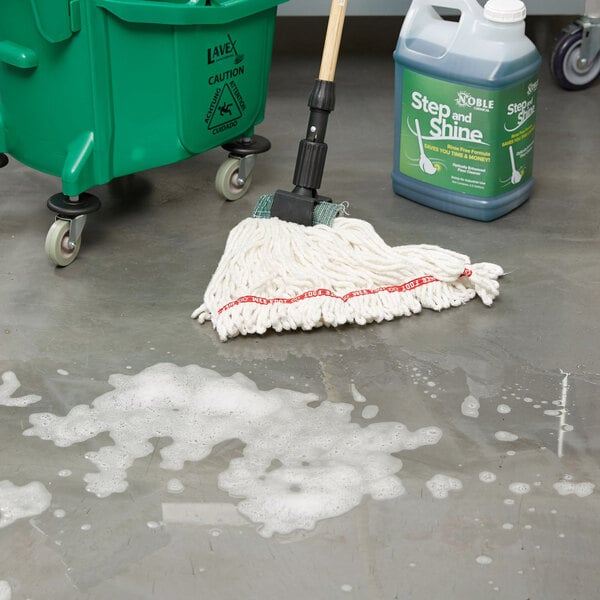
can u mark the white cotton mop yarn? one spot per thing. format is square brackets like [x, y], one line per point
[283, 276]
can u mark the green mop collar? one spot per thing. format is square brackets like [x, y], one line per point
[324, 214]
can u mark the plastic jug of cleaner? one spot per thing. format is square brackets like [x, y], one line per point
[465, 100]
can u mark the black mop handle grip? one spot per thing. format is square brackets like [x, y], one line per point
[312, 152]
[298, 206]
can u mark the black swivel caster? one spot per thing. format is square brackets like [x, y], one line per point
[3, 160]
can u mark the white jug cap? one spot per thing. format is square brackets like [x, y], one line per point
[505, 11]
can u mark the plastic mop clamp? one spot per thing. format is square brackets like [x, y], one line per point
[298, 264]
[298, 206]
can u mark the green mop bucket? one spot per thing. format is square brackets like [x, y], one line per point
[91, 90]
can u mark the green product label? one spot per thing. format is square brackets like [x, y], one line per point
[467, 139]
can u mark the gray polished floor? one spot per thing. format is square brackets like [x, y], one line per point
[125, 304]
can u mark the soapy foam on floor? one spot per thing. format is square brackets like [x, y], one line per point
[519, 488]
[487, 477]
[10, 384]
[440, 485]
[505, 436]
[581, 490]
[174, 486]
[326, 462]
[356, 395]
[370, 411]
[20, 502]
[5, 590]
[470, 407]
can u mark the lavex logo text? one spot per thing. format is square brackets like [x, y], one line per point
[223, 51]
[467, 100]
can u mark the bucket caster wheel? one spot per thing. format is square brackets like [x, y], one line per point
[59, 248]
[570, 64]
[64, 236]
[234, 177]
[3, 160]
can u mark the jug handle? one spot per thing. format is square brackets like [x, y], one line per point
[465, 6]
[417, 15]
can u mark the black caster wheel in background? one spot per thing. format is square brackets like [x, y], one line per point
[3, 160]
[565, 62]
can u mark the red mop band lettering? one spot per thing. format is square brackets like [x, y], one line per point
[322, 292]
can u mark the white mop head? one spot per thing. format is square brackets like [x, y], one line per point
[282, 276]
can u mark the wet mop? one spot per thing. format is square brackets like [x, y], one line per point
[297, 263]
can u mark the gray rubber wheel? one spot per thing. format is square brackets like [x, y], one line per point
[57, 244]
[565, 66]
[226, 181]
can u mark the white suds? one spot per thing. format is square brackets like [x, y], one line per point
[59, 513]
[441, 485]
[65, 473]
[62, 372]
[346, 588]
[519, 488]
[487, 477]
[565, 488]
[21, 502]
[470, 407]
[503, 409]
[300, 463]
[356, 395]
[5, 590]
[174, 486]
[505, 436]
[483, 559]
[370, 411]
[10, 384]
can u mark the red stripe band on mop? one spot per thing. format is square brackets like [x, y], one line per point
[322, 292]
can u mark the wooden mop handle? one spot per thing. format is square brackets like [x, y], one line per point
[333, 39]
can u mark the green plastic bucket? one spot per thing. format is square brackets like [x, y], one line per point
[91, 90]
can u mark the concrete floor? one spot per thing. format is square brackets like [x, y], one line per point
[146, 259]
